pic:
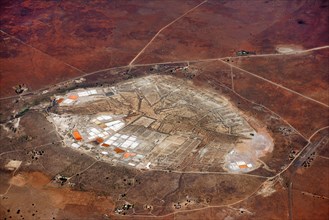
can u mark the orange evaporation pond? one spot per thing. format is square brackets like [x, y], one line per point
[73, 97]
[127, 155]
[118, 150]
[243, 166]
[60, 100]
[99, 140]
[77, 135]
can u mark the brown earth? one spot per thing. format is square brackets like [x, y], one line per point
[305, 73]
[219, 28]
[98, 35]
[33, 196]
[274, 206]
[23, 64]
[303, 114]
[310, 193]
[324, 150]
[65, 36]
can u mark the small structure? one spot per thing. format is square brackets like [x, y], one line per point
[19, 89]
[60, 179]
[245, 53]
[148, 165]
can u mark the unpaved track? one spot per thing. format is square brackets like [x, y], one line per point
[36, 92]
[247, 197]
[276, 84]
[131, 62]
[30, 46]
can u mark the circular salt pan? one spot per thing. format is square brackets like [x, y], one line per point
[245, 156]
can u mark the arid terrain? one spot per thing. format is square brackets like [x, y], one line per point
[164, 109]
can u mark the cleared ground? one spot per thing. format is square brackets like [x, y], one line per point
[281, 90]
[157, 122]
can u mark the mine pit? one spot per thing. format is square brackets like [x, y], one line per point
[159, 122]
